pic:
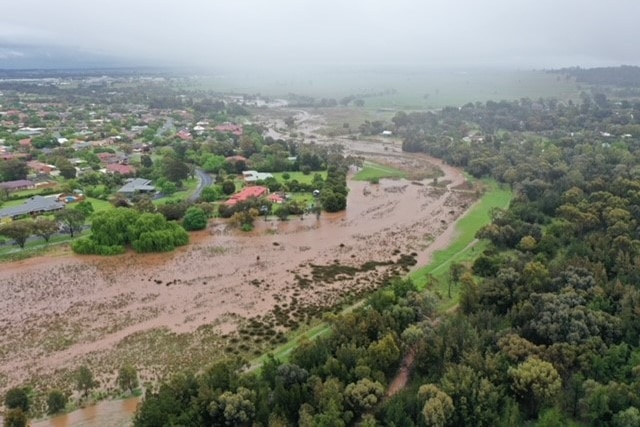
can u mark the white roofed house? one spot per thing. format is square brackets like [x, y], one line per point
[253, 176]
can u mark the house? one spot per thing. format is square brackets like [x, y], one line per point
[34, 206]
[28, 131]
[247, 193]
[276, 198]
[21, 184]
[229, 128]
[253, 176]
[25, 144]
[236, 159]
[386, 133]
[134, 186]
[40, 168]
[184, 135]
[121, 169]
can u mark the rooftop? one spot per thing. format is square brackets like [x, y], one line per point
[137, 185]
[34, 205]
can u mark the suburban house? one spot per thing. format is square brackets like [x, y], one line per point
[276, 198]
[40, 168]
[229, 128]
[21, 184]
[253, 176]
[247, 193]
[121, 169]
[33, 206]
[184, 135]
[135, 186]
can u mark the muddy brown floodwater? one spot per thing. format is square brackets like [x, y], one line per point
[60, 311]
[110, 413]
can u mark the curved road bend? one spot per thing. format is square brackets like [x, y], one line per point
[205, 180]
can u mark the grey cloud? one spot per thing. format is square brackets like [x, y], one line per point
[523, 33]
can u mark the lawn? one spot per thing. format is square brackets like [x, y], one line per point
[98, 204]
[373, 171]
[188, 187]
[299, 176]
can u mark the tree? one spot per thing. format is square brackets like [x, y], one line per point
[72, 220]
[174, 169]
[210, 194]
[146, 161]
[456, 270]
[234, 408]
[45, 227]
[363, 395]
[13, 170]
[19, 231]
[56, 402]
[84, 380]
[282, 212]
[194, 219]
[17, 398]
[128, 378]
[536, 382]
[85, 207]
[168, 188]
[15, 418]
[228, 187]
[67, 170]
[438, 406]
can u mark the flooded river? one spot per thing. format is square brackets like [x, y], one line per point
[61, 311]
[108, 413]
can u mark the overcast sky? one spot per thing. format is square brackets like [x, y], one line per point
[444, 33]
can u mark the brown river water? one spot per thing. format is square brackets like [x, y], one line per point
[108, 413]
[63, 310]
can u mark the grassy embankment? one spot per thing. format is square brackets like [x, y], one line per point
[374, 171]
[462, 250]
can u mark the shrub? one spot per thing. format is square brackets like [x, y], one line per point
[17, 398]
[194, 219]
[228, 187]
[56, 402]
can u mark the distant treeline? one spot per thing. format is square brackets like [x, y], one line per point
[624, 76]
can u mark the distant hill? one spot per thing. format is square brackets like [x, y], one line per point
[626, 76]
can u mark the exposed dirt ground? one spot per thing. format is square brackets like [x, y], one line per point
[162, 310]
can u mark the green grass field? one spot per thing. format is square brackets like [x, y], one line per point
[99, 205]
[299, 176]
[372, 171]
[465, 248]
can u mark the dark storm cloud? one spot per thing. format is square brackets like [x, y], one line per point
[527, 33]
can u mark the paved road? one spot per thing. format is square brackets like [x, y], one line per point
[205, 180]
